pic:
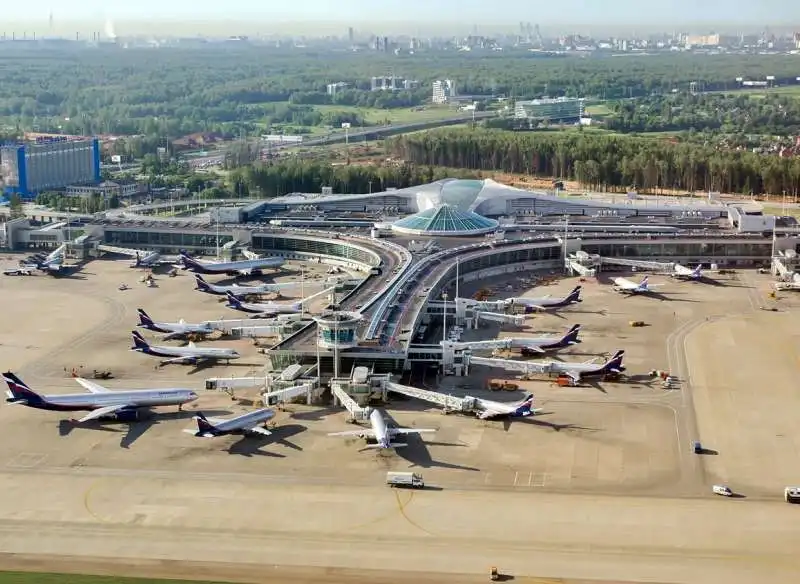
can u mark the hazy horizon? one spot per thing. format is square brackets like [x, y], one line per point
[312, 17]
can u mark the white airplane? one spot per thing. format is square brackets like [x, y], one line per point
[547, 302]
[102, 403]
[240, 268]
[537, 345]
[625, 286]
[174, 330]
[150, 260]
[488, 409]
[189, 354]
[266, 308]
[380, 432]
[249, 423]
[578, 371]
[237, 290]
[683, 273]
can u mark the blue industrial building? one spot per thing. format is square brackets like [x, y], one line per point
[48, 164]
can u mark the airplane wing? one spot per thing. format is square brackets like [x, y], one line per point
[101, 412]
[365, 432]
[624, 284]
[534, 348]
[184, 359]
[91, 386]
[259, 430]
[574, 375]
[173, 335]
[488, 414]
[410, 430]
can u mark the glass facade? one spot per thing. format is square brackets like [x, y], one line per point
[696, 249]
[175, 239]
[262, 242]
[447, 220]
[338, 336]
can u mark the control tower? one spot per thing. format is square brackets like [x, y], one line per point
[337, 330]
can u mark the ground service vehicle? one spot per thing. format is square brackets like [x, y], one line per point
[792, 494]
[405, 479]
[722, 490]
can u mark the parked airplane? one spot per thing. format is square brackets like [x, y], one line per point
[101, 402]
[547, 302]
[683, 273]
[237, 290]
[535, 345]
[174, 330]
[578, 371]
[150, 260]
[189, 354]
[380, 432]
[488, 409]
[625, 286]
[266, 308]
[249, 423]
[240, 268]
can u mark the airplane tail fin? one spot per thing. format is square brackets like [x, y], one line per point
[615, 363]
[525, 406]
[644, 281]
[201, 284]
[697, 270]
[203, 425]
[572, 335]
[233, 301]
[138, 341]
[144, 320]
[575, 295]
[18, 391]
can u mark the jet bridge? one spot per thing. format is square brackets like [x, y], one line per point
[341, 396]
[515, 319]
[644, 265]
[576, 267]
[448, 402]
[277, 396]
[524, 367]
[126, 251]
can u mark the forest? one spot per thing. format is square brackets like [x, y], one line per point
[603, 161]
[172, 92]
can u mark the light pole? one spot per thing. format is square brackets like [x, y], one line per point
[444, 317]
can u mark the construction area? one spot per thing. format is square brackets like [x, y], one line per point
[574, 490]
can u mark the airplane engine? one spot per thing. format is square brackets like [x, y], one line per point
[127, 415]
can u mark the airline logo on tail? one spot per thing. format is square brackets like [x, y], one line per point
[575, 295]
[614, 365]
[643, 283]
[525, 407]
[19, 392]
[144, 320]
[139, 343]
[201, 284]
[204, 427]
[571, 338]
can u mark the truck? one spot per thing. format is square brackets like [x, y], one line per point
[792, 494]
[498, 384]
[405, 479]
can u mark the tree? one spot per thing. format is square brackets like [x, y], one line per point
[15, 205]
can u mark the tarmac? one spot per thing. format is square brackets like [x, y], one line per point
[602, 487]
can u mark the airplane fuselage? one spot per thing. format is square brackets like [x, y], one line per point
[74, 402]
[241, 424]
[232, 268]
[382, 435]
[188, 352]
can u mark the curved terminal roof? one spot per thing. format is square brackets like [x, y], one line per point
[445, 220]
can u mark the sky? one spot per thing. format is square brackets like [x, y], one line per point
[596, 13]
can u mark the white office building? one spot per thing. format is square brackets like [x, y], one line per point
[443, 90]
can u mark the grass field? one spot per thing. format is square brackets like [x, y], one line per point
[598, 110]
[760, 93]
[375, 116]
[34, 578]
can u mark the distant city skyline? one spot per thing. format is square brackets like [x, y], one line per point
[393, 16]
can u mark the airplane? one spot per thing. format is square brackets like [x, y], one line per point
[683, 273]
[249, 423]
[578, 371]
[546, 302]
[537, 346]
[380, 432]
[189, 354]
[174, 330]
[240, 268]
[625, 286]
[123, 406]
[488, 409]
[268, 308]
[150, 260]
[237, 290]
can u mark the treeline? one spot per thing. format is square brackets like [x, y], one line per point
[603, 161]
[772, 114]
[271, 180]
[130, 92]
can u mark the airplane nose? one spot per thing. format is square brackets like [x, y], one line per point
[193, 396]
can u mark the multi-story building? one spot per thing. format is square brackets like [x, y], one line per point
[559, 109]
[387, 83]
[334, 88]
[443, 90]
[107, 189]
[48, 164]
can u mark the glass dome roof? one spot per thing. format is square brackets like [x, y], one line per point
[445, 220]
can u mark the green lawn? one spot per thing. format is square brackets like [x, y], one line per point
[34, 578]
[375, 116]
[598, 110]
[793, 90]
